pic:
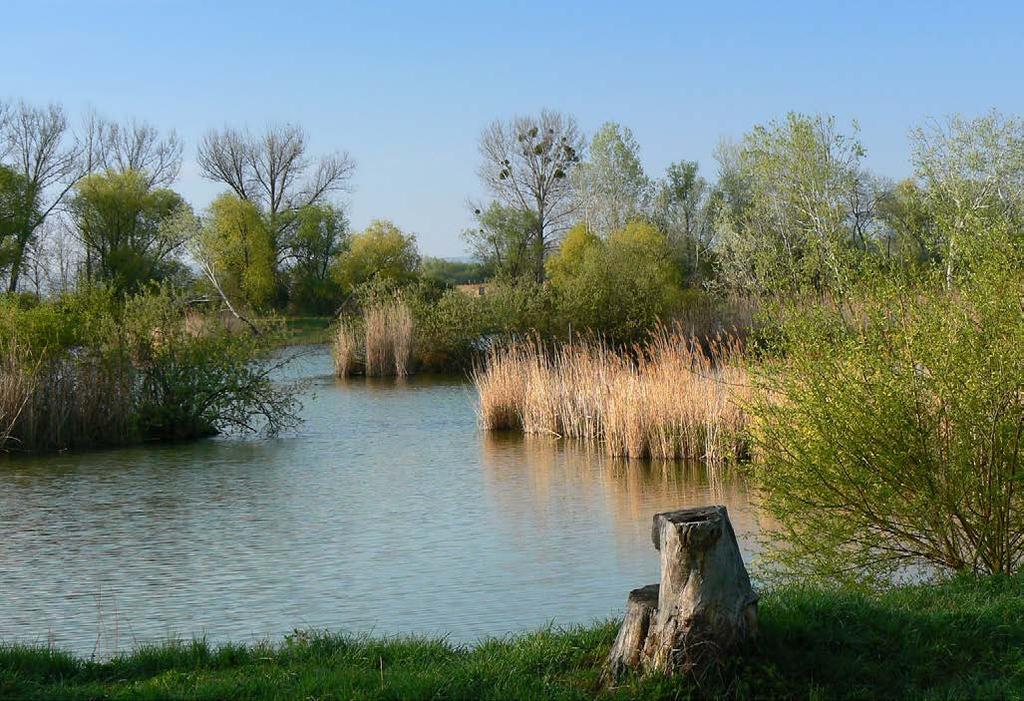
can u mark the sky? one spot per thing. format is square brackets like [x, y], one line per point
[406, 88]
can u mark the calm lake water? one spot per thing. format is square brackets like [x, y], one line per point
[387, 512]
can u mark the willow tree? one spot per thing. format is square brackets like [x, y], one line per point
[795, 211]
[611, 186]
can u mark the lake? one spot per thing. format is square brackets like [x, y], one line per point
[388, 511]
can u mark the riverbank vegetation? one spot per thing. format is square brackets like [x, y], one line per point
[671, 398]
[958, 639]
[95, 369]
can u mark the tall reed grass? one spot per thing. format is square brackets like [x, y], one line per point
[64, 403]
[670, 398]
[386, 346]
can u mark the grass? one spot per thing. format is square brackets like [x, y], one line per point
[307, 330]
[671, 398]
[962, 638]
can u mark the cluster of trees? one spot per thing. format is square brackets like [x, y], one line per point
[793, 209]
[96, 204]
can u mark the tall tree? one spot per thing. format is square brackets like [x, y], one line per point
[127, 228]
[972, 174]
[685, 208]
[235, 251]
[321, 235]
[611, 186]
[527, 164]
[274, 171]
[790, 223]
[36, 143]
[504, 240]
[18, 209]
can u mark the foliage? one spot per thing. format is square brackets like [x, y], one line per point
[889, 432]
[505, 241]
[320, 237]
[621, 287]
[238, 246]
[126, 228]
[382, 252]
[94, 369]
[445, 273]
[686, 208]
[611, 186]
[19, 208]
[797, 191]
[971, 172]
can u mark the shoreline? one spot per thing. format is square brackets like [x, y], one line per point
[963, 637]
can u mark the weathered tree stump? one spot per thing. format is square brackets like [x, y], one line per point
[704, 608]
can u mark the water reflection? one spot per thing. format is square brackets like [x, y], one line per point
[630, 492]
[387, 511]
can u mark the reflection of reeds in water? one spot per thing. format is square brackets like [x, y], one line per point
[671, 398]
[632, 490]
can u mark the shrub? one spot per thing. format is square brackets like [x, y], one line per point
[85, 371]
[889, 431]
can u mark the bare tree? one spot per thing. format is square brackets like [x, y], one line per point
[274, 171]
[134, 145]
[526, 165]
[36, 143]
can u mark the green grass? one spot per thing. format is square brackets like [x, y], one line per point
[964, 638]
[304, 330]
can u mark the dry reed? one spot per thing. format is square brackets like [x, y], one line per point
[386, 345]
[671, 398]
[345, 349]
[64, 403]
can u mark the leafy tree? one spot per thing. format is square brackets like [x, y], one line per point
[909, 231]
[126, 229]
[236, 248]
[686, 207]
[611, 186]
[505, 241]
[321, 235]
[972, 175]
[792, 225]
[622, 286]
[568, 261]
[18, 210]
[381, 253]
[527, 164]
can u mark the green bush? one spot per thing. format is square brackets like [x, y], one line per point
[91, 369]
[889, 430]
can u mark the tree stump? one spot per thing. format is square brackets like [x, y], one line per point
[703, 609]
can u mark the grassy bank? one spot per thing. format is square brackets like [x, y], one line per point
[964, 638]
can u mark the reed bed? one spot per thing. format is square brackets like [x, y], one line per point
[380, 344]
[670, 398]
[65, 403]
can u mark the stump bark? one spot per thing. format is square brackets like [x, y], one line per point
[703, 609]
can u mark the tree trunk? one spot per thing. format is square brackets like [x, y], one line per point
[703, 610]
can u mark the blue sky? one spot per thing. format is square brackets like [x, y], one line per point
[407, 87]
